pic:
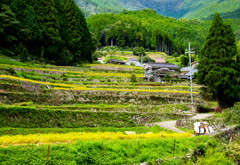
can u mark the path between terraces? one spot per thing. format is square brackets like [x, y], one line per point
[171, 124]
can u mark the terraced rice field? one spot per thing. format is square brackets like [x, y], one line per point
[43, 104]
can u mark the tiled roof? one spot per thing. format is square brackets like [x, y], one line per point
[132, 59]
[160, 60]
[193, 71]
[136, 63]
[116, 61]
[185, 69]
[163, 65]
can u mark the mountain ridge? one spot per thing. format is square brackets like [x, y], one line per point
[201, 9]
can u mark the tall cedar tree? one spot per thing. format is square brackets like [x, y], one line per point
[218, 69]
[80, 42]
[27, 16]
[49, 25]
[9, 32]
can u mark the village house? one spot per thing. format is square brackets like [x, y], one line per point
[157, 71]
[160, 60]
[134, 61]
[186, 71]
[112, 61]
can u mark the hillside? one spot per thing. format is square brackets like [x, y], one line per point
[98, 112]
[145, 28]
[90, 7]
[202, 9]
[66, 99]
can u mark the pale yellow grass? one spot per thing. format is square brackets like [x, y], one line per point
[72, 137]
[152, 55]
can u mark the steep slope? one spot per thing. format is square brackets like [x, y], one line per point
[90, 7]
[205, 9]
[202, 9]
[172, 8]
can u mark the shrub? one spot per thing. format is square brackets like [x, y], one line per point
[115, 58]
[138, 51]
[65, 58]
[146, 59]
[175, 54]
[24, 55]
[215, 159]
[199, 150]
[98, 54]
[132, 64]
[184, 60]
[233, 152]
[133, 78]
[233, 115]
[205, 109]
[206, 94]
[12, 71]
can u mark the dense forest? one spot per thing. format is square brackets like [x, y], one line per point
[201, 9]
[52, 30]
[146, 28]
[56, 31]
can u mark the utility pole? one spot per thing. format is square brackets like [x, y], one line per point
[190, 62]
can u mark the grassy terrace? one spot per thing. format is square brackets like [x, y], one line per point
[88, 106]
[106, 88]
[86, 79]
[165, 108]
[83, 136]
[91, 152]
[32, 117]
[10, 131]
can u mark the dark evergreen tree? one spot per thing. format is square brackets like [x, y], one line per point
[49, 25]
[184, 60]
[79, 37]
[9, 31]
[28, 19]
[87, 44]
[54, 30]
[161, 41]
[111, 35]
[218, 69]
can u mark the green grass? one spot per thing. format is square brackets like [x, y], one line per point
[30, 117]
[186, 130]
[213, 104]
[12, 62]
[27, 131]
[164, 108]
[219, 115]
[113, 66]
[121, 58]
[91, 152]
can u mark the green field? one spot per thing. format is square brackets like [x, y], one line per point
[83, 112]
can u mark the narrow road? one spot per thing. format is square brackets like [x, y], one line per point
[202, 116]
[171, 125]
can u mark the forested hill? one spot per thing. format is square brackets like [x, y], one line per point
[202, 9]
[52, 30]
[145, 28]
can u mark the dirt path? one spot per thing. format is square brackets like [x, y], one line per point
[171, 125]
[202, 116]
